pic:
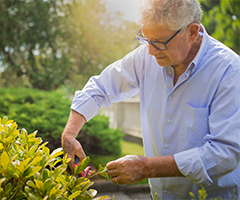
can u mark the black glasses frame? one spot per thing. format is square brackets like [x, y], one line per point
[145, 41]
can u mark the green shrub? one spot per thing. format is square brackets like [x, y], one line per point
[28, 171]
[48, 113]
[101, 140]
[35, 109]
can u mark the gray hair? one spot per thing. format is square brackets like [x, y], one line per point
[176, 13]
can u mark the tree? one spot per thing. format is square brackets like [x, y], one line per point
[222, 21]
[45, 44]
[29, 42]
[96, 39]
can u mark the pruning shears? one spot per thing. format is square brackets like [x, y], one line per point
[85, 172]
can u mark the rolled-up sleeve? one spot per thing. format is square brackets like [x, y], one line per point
[190, 165]
[117, 82]
[84, 104]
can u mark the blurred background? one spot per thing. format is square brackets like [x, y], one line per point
[50, 48]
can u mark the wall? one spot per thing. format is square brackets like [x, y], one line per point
[126, 115]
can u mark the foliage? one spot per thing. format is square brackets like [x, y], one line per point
[222, 20]
[202, 195]
[102, 140]
[29, 171]
[47, 44]
[35, 109]
[96, 39]
[30, 47]
[48, 113]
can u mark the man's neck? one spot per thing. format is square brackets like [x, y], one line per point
[180, 69]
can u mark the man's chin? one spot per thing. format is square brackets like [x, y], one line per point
[162, 64]
[162, 61]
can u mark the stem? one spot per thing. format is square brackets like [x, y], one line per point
[17, 190]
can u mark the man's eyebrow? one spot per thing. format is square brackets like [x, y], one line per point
[155, 39]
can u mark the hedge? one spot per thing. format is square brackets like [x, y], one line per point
[48, 111]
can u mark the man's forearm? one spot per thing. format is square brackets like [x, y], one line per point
[70, 145]
[164, 166]
[74, 124]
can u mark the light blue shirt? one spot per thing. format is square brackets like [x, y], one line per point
[197, 120]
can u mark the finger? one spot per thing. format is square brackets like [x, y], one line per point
[113, 172]
[111, 165]
[115, 180]
[71, 163]
[80, 153]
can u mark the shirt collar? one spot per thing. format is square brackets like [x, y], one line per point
[194, 65]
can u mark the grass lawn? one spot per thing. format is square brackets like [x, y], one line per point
[129, 148]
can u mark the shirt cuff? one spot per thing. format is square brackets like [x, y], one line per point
[190, 165]
[85, 105]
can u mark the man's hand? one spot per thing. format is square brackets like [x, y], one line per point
[132, 169]
[129, 169]
[70, 145]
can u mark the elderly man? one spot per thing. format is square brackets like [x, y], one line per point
[190, 105]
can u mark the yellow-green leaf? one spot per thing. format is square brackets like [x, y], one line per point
[4, 120]
[59, 170]
[32, 149]
[48, 185]
[33, 171]
[84, 163]
[66, 159]
[2, 180]
[5, 160]
[13, 124]
[1, 146]
[102, 171]
[87, 185]
[39, 184]
[31, 184]
[25, 162]
[101, 198]
[32, 135]
[75, 194]
[35, 161]
[57, 152]
[9, 122]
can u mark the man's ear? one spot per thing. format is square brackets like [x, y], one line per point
[193, 32]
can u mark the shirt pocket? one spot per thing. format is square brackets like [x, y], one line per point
[196, 125]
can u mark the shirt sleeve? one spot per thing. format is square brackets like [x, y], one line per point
[220, 153]
[117, 82]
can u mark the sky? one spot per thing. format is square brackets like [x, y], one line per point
[128, 7]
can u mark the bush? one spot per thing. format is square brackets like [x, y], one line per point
[48, 113]
[101, 139]
[35, 109]
[29, 171]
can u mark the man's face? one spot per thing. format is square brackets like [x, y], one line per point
[177, 49]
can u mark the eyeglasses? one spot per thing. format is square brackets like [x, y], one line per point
[158, 45]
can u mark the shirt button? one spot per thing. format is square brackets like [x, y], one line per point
[170, 97]
[166, 146]
[170, 72]
[169, 121]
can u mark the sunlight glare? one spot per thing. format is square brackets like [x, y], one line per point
[129, 8]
